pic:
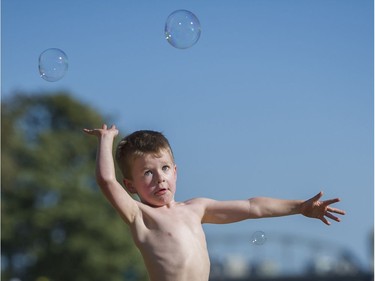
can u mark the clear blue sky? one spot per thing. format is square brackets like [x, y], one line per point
[275, 99]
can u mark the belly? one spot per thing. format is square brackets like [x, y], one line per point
[176, 256]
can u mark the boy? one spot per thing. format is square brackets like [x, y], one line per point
[169, 234]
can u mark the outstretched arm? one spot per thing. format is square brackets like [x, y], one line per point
[263, 207]
[106, 177]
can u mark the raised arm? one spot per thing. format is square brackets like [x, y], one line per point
[106, 176]
[263, 207]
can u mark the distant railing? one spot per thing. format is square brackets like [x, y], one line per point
[357, 277]
[233, 257]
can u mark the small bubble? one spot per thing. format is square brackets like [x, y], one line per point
[258, 238]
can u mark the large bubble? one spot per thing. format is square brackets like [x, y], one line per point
[182, 29]
[53, 64]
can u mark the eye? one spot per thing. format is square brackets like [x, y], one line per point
[166, 168]
[148, 173]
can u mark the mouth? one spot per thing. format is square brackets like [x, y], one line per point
[161, 192]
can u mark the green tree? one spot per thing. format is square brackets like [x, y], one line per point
[56, 225]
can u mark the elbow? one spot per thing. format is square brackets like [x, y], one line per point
[256, 213]
[104, 181]
[259, 209]
[254, 210]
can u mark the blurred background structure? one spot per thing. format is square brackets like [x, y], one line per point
[283, 256]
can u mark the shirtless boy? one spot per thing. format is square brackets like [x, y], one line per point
[169, 234]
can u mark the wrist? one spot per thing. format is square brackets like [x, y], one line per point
[299, 207]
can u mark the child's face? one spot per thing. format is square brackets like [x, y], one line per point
[154, 179]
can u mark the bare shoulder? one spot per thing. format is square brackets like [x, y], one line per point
[199, 204]
[201, 201]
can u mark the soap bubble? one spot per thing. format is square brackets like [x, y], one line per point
[53, 64]
[258, 238]
[182, 29]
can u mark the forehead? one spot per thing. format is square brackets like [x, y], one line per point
[164, 156]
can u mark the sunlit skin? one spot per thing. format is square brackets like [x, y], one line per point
[169, 234]
[154, 179]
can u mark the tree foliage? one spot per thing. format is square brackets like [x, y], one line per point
[56, 225]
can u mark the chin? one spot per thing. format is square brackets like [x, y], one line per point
[161, 202]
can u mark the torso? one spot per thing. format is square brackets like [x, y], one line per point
[172, 242]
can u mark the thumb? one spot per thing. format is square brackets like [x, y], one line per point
[318, 196]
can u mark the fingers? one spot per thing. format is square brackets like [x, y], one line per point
[88, 131]
[333, 217]
[329, 214]
[104, 127]
[331, 201]
[333, 210]
[329, 210]
[323, 219]
[97, 132]
[337, 211]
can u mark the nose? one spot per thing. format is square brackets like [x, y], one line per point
[160, 178]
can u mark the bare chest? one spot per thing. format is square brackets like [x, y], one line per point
[173, 244]
[172, 229]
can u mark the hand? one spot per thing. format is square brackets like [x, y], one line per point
[103, 131]
[313, 208]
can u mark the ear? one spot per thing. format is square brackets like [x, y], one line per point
[175, 171]
[129, 186]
